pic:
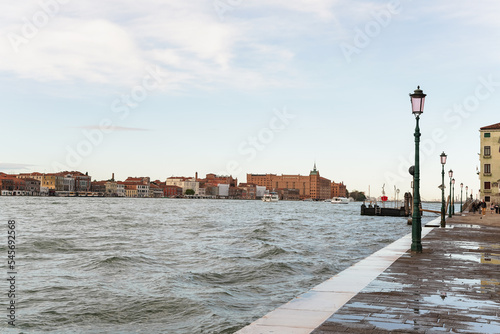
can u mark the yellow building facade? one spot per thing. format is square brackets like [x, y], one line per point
[49, 181]
[489, 174]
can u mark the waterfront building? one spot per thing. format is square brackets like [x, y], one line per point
[289, 194]
[130, 189]
[489, 174]
[312, 186]
[32, 187]
[11, 185]
[211, 191]
[155, 191]
[168, 190]
[49, 181]
[99, 187]
[111, 188]
[248, 190]
[185, 183]
[173, 191]
[6, 185]
[338, 190]
[214, 180]
[120, 189]
[80, 183]
[68, 183]
[223, 190]
[141, 186]
[83, 182]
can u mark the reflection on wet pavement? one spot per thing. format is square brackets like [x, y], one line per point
[453, 286]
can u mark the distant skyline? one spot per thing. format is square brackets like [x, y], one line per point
[164, 88]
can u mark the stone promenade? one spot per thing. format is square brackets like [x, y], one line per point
[452, 286]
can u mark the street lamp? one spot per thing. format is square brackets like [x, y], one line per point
[453, 197]
[466, 193]
[417, 108]
[443, 210]
[461, 193]
[450, 173]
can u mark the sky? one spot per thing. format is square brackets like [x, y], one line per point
[169, 88]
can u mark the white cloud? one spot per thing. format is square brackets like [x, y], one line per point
[95, 51]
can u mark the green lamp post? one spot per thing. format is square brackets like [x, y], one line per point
[443, 209]
[453, 197]
[450, 173]
[417, 108]
[461, 194]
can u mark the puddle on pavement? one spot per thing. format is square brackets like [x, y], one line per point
[458, 285]
[466, 257]
[488, 257]
[459, 301]
[484, 328]
[390, 326]
[465, 225]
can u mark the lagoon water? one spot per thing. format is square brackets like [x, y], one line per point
[123, 265]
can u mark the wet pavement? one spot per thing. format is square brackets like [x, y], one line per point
[452, 286]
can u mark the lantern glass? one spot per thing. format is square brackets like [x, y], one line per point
[450, 173]
[417, 101]
[461, 185]
[453, 181]
[443, 158]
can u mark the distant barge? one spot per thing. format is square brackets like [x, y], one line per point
[376, 210]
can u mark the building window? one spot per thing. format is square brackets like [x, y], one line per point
[487, 135]
[487, 150]
[487, 168]
[487, 185]
[486, 198]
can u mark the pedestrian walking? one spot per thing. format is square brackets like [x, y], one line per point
[483, 209]
[497, 208]
[492, 208]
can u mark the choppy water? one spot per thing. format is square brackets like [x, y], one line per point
[102, 265]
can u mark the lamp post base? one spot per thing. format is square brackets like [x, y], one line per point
[416, 247]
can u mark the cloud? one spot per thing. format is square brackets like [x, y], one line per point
[115, 128]
[257, 46]
[112, 43]
[14, 166]
[96, 51]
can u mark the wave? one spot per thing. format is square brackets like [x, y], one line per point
[53, 245]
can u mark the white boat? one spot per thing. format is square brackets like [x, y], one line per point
[340, 200]
[272, 197]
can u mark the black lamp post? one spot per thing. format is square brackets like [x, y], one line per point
[453, 197]
[461, 194]
[443, 209]
[450, 173]
[417, 108]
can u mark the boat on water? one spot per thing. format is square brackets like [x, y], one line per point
[340, 200]
[272, 197]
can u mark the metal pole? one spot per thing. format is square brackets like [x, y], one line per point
[449, 215]
[443, 209]
[461, 193]
[416, 228]
[453, 200]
